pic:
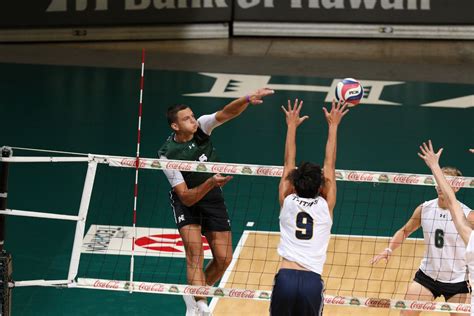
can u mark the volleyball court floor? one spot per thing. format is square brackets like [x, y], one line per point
[347, 270]
[87, 109]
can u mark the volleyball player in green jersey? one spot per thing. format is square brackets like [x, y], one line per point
[196, 198]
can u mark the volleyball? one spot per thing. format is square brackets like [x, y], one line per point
[350, 91]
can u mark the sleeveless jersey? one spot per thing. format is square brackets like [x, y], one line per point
[305, 229]
[444, 258]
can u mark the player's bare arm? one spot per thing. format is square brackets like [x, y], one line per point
[293, 120]
[191, 196]
[399, 237]
[333, 118]
[236, 107]
[431, 159]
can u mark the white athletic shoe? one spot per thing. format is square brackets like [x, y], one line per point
[203, 309]
[191, 305]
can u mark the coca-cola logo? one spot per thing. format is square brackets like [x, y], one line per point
[181, 166]
[151, 287]
[425, 306]
[336, 300]
[377, 302]
[132, 163]
[407, 179]
[224, 169]
[104, 284]
[463, 308]
[270, 171]
[456, 182]
[203, 290]
[242, 293]
[360, 176]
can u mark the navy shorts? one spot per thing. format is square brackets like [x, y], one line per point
[298, 293]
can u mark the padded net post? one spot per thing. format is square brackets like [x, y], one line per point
[5, 279]
[5, 258]
[6, 152]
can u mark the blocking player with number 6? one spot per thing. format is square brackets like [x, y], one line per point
[443, 269]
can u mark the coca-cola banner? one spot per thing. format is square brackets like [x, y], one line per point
[41, 13]
[208, 291]
[357, 11]
[277, 171]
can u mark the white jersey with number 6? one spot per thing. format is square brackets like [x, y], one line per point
[305, 229]
[444, 258]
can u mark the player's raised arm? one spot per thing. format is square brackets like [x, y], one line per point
[236, 107]
[432, 161]
[334, 117]
[293, 120]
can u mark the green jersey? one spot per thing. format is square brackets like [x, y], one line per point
[199, 148]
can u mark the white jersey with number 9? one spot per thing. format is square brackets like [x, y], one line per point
[305, 228]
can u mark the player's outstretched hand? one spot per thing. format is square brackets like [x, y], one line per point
[220, 181]
[384, 255]
[292, 114]
[338, 110]
[428, 154]
[257, 96]
[471, 150]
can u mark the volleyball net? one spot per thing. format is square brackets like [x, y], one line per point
[80, 210]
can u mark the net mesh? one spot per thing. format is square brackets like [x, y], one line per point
[367, 214]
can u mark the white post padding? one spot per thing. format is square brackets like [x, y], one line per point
[81, 224]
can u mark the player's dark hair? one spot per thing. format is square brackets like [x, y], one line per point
[172, 112]
[306, 179]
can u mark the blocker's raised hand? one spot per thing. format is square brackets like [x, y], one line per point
[293, 113]
[338, 110]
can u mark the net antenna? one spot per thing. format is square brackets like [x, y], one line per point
[137, 165]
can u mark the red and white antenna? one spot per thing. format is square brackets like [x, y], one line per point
[137, 164]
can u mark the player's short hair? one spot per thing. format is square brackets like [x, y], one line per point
[452, 171]
[172, 112]
[307, 179]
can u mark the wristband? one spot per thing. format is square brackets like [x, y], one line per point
[389, 250]
[247, 97]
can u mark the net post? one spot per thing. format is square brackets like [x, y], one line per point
[5, 258]
[81, 223]
[6, 152]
